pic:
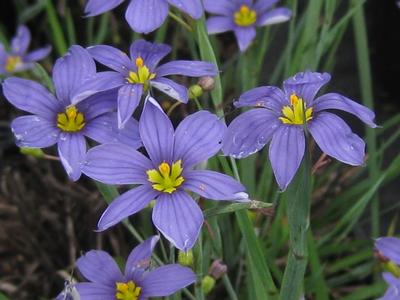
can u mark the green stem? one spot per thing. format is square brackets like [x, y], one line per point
[58, 35]
[298, 214]
[180, 21]
[364, 69]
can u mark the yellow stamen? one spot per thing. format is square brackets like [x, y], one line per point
[12, 63]
[294, 114]
[245, 16]
[71, 120]
[127, 291]
[167, 178]
[142, 75]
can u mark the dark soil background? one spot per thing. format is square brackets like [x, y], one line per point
[45, 220]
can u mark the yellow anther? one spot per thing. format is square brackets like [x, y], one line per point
[127, 291]
[12, 63]
[71, 120]
[245, 16]
[142, 75]
[294, 114]
[167, 178]
[139, 62]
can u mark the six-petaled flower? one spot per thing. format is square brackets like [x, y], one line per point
[280, 116]
[167, 175]
[18, 59]
[55, 120]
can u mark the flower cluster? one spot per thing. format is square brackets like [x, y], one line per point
[18, 59]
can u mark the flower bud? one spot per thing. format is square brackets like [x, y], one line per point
[35, 152]
[392, 268]
[207, 83]
[185, 258]
[207, 284]
[195, 91]
[217, 269]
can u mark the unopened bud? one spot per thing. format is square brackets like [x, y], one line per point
[207, 284]
[35, 152]
[217, 269]
[207, 83]
[392, 268]
[185, 258]
[195, 91]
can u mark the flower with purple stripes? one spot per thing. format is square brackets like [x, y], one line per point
[145, 16]
[167, 174]
[135, 75]
[55, 120]
[389, 248]
[107, 282]
[18, 59]
[243, 17]
[280, 117]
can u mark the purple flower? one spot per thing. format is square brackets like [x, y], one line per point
[280, 118]
[167, 174]
[18, 59]
[55, 121]
[393, 291]
[242, 17]
[145, 16]
[107, 282]
[135, 75]
[389, 247]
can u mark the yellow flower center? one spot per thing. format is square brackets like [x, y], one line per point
[166, 179]
[71, 120]
[127, 291]
[12, 62]
[294, 114]
[142, 75]
[245, 16]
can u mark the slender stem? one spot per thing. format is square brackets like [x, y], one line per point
[180, 21]
[364, 69]
[58, 35]
[229, 287]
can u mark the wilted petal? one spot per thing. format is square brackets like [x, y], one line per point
[193, 8]
[157, 133]
[112, 57]
[389, 247]
[171, 88]
[126, 205]
[116, 164]
[166, 280]
[94, 291]
[145, 16]
[179, 218]
[274, 16]
[99, 267]
[244, 36]
[20, 43]
[32, 97]
[336, 139]
[249, 132]
[305, 85]
[219, 24]
[286, 152]
[197, 138]
[337, 101]
[99, 82]
[213, 185]
[140, 256]
[72, 151]
[38, 54]
[187, 68]
[129, 96]
[34, 132]
[104, 129]
[97, 7]
[151, 53]
[71, 70]
[220, 7]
